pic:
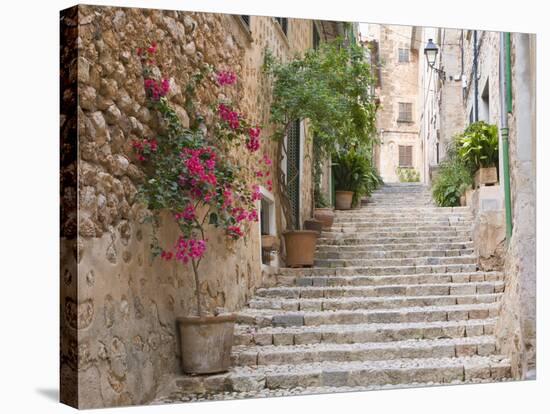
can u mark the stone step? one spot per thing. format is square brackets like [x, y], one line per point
[346, 374]
[395, 246]
[377, 270]
[391, 225]
[370, 303]
[405, 222]
[416, 279]
[382, 291]
[365, 332]
[282, 354]
[414, 261]
[405, 209]
[395, 219]
[280, 318]
[360, 233]
[391, 254]
[344, 241]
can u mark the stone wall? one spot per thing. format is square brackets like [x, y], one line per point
[118, 304]
[516, 327]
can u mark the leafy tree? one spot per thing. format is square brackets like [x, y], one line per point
[330, 87]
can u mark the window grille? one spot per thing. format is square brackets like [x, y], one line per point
[405, 112]
[403, 55]
[405, 156]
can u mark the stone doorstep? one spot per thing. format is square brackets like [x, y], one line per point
[348, 303]
[384, 291]
[287, 353]
[378, 270]
[421, 370]
[427, 278]
[365, 332]
[414, 261]
[276, 318]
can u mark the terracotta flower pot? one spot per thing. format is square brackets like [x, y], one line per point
[206, 343]
[314, 224]
[343, 200]
[325, 216]
[300, 247]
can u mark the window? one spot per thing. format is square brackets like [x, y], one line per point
[246, 20]
[403, 55]
[405, 112]
[283, 22]
[405, 156]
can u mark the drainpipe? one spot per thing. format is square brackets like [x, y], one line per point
[476, 110]
[505, 109]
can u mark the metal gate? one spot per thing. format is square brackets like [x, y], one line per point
[293, 171]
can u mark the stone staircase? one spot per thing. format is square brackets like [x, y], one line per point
[394, 300]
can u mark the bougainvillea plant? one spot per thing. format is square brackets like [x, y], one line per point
[187, 172]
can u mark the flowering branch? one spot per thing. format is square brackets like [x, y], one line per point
[187, 173]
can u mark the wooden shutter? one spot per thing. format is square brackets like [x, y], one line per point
[405, 156]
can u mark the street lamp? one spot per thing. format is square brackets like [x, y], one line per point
[430, 51]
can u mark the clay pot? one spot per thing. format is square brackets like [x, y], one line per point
[325, 216]
[206, 343]
[314, 224]
[300, 247]
[343, 200]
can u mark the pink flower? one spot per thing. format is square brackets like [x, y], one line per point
[188, 214]
[155, 89]
[235, 232]
[226, 78]
[256, 194]
[166, 255]
[186, 249]
[267, 161]
[253, 141]
[231, 117]
[153, 48]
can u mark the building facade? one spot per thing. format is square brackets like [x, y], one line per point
[442, 114]
[397, 59]
[497, 78]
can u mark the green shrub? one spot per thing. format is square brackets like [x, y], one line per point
[478, 145]
[408, 175]
[453, 179]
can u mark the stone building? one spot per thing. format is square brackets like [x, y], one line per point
[397, 58]
[441, 114]
[482, 59]
[118, 305]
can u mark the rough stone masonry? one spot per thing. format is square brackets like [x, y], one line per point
[118, 306]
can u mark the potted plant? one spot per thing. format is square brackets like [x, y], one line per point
[328, 87]
[351, 174]
[478, 147]
[188, 176]
[322, 212]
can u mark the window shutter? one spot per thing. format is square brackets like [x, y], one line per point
[405, 156]
[405, 112]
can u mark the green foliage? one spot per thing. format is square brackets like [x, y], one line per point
[408, 175]
[330, 87]
[452, 180]
[478, 145]
[354, 172]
